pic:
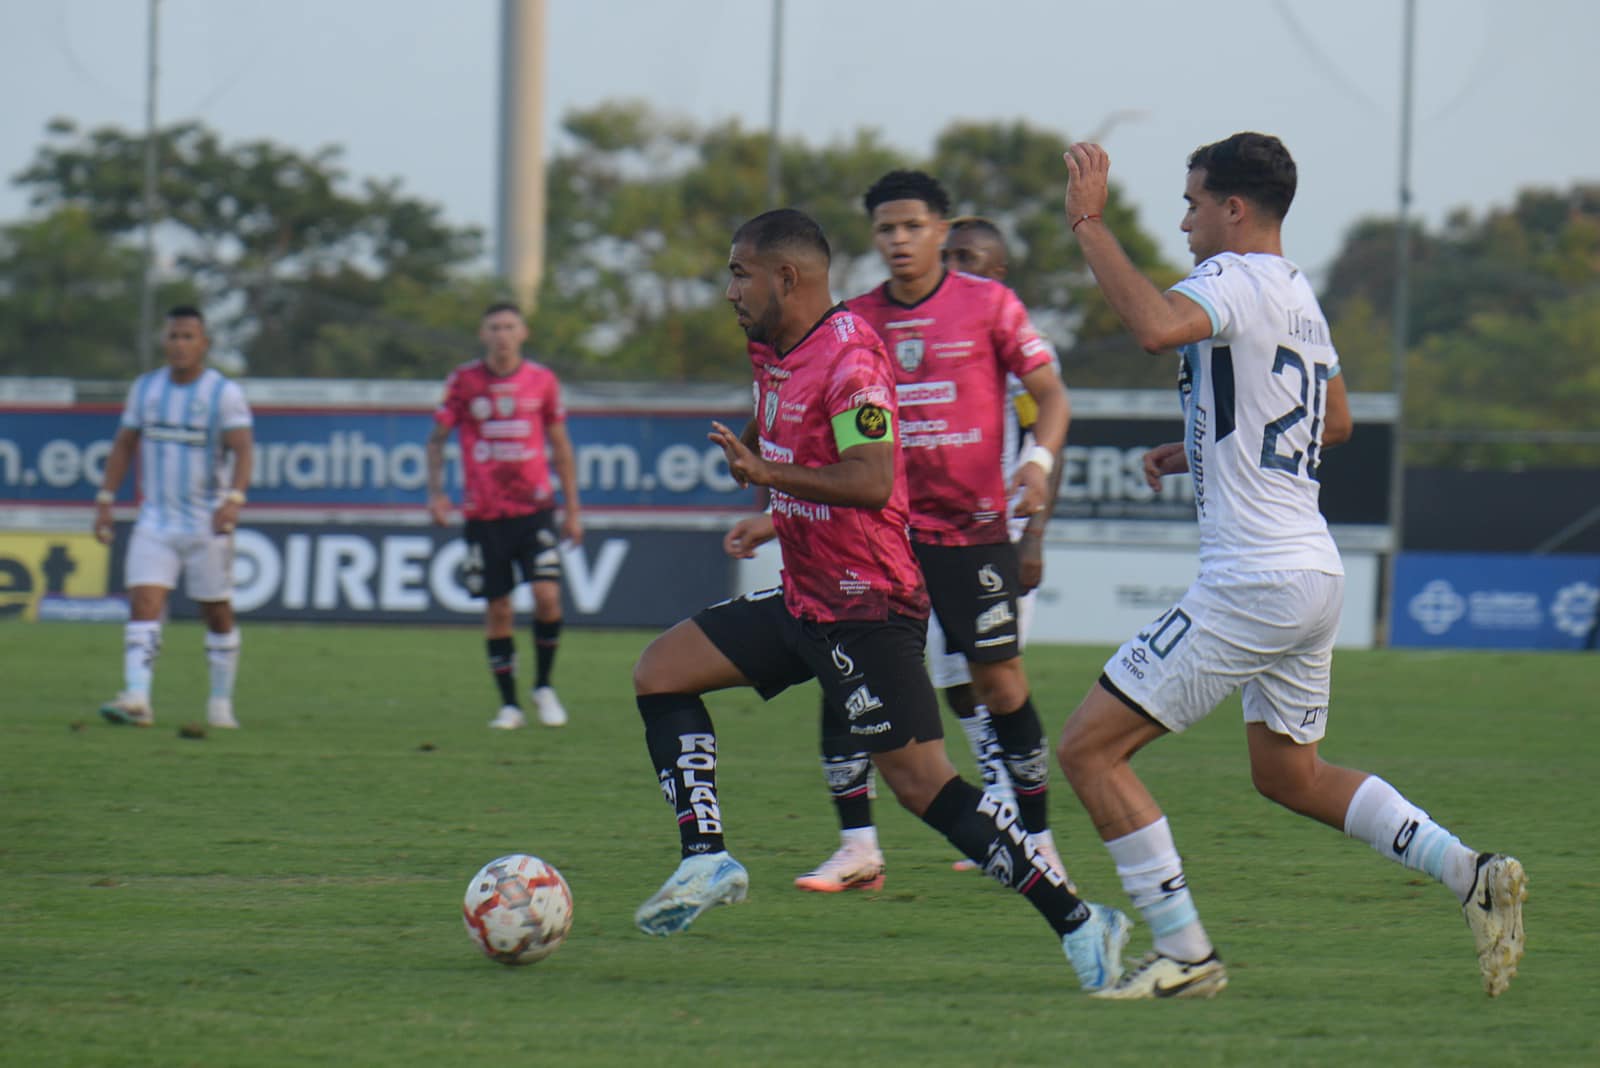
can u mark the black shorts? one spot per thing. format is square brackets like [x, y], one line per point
[501, 553]
[872, 669]
[974, 590]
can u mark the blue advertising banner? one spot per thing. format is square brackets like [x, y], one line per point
[1482, 601]
[367, 457]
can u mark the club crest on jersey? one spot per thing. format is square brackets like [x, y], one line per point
[990, 579]
[872, 421]
[908, 353]
[769, 410]
[481, 408]
[506, 405]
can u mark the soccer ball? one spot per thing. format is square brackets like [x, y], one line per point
[518, 909]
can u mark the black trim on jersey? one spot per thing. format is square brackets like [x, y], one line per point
[943, 278]
[1222, 388]
[829, 314]
[1111, 688]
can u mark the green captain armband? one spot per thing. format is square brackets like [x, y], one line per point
[865, 425]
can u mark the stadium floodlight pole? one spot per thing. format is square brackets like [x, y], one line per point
[1402, 328]
[519, 227]
[147, 283]
[774, 109]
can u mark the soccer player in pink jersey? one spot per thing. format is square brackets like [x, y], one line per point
[508, 413]
[954, 338]
[851, 612]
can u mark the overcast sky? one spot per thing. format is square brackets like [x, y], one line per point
[1505, 92]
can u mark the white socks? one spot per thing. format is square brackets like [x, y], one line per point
[1152, 874]
[141, 644]
[222, 654]
[1381, 817]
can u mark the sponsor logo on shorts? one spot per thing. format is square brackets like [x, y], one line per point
[861, 702]
[842, 661]
[1311, 717]
[989, 579]
[870, 728]
[996, 616]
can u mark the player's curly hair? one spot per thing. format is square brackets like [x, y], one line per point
[908, 185]
[1254, 166]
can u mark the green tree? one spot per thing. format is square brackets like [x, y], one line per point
[277, 237]
[69, 298]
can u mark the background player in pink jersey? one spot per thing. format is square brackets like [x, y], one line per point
[851, 612]
[954, 338]
[512, 426]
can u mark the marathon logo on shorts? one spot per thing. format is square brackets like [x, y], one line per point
[861, 702]
[698, 765]
[871, 728]
[996, 616]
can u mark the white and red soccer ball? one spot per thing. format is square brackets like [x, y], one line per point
[518, 909]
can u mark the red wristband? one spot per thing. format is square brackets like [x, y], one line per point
[1083, 219]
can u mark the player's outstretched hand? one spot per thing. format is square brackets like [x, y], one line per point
[745, 466]
[747, 534]
[1088, 171]
[1168, 459]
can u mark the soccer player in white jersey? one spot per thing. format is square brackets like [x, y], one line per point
[1262, 396]
[191, 431]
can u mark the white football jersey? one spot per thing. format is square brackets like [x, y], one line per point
[183, 471]
[1254, 400]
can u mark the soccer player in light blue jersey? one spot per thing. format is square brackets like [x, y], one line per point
[190, 428]
[1262, 397]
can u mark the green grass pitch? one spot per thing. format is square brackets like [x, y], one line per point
[289, 894]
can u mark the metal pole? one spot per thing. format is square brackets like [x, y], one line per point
[520, 225]
[147, 286]
[774, 101]
[1402, 324]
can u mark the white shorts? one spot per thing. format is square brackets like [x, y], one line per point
[156, 557]
[950, 669]
[1268, 632]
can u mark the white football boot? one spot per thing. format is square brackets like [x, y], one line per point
[551, 714]
[219, 713]
[1161, 976]
[853, 866]
[700, 883]
[509, 718]
[1094, 949]
[128, 709]
[1494, 912]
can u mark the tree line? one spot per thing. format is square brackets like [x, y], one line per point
[307, 270]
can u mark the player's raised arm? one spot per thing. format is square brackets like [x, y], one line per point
[1158, 321]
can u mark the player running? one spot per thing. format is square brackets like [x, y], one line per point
[851, 612]
[513, 429]
[1262, 397]
[190, 428]
[954, 339]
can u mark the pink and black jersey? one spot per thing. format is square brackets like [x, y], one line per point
[951, 352]
[501, 421]
[838, 563]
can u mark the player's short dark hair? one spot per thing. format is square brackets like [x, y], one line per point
[978, 225]
[186, 311]
[501, 306]
[787, 230]
[908, 185]
[1254, 166]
